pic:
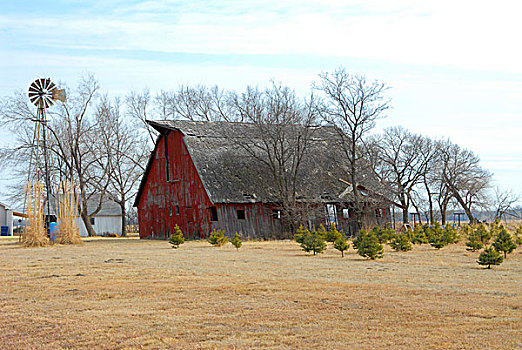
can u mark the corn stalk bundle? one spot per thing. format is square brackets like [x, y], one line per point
[67, 232]
[34, 234]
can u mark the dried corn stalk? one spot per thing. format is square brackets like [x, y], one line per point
[34, 234]
[67, 230]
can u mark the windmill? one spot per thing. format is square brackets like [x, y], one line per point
[42, 93]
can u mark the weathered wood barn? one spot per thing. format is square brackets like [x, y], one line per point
[200, 179]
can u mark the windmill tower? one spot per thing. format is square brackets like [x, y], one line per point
[42, 93]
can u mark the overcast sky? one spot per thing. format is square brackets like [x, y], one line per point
[454, 67]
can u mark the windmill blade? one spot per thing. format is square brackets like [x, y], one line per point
[42, 93]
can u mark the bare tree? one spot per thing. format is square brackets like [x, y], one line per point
[465, 179]
[402, 163]
[284, 127]
[352, 105]
[123, 151]
[504, 202]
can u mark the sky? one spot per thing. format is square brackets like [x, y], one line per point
[453, 67]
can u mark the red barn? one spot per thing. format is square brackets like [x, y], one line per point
[199, 179]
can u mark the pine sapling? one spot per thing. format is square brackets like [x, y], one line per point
[490, 257]
[504, 242]
[177, 238]
[313, 242]
[333, 234]
[474, 243]
[341, 244]
[299, 235]
[484, 234]
[401, 243]
[369, 247]
[236, 241]
[217, 238]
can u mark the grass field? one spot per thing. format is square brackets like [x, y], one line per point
[127, 293]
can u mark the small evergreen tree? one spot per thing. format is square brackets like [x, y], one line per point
[360, 236]
[369, 247]
[436, 236]
[321, 231]
[518, 236]
[483, 233]
[299, 235]
[504, 243]
[490, 257]
[236, 241]
[419, 235]
[383, 234]
[217, 238]
[313, 242]
[177, 238]
[450, 235]
[333, 234]
[495, 228]
[401, 243]
[341, 244]
[474, 243]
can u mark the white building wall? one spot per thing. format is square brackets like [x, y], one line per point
[102, 224]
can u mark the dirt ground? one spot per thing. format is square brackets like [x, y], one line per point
[127, 294]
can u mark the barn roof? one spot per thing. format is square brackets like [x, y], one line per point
[231, 174]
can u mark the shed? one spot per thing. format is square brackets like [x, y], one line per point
[6, 218]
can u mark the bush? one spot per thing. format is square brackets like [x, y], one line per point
[490, 257]
[218, 238]
[418, 235]
[236, 241]
[358, 239]
[483, 233]
[369, 246]
[341, 244]
[333, 234]
[474, 242]
[436, 236]
[450, 235]
[313, 242]
[384, 235]
[321, 231]
[299, 235]
[177, 238]
[401, 243]
[518, 236]
[504, 243]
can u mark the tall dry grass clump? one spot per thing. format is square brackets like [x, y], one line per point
[34, 234]
[67, 230]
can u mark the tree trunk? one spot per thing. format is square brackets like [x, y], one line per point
[87, 222]
[123, 220]
[430, 202]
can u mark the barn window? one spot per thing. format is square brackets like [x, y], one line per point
[170, 211]
[240, 214]
[213, 214]
[276, 214]
[378, 213]
[177, 209]
[92, 221]
[346, 213]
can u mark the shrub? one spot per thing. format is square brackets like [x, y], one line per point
[490, 257]
[450, 235]
[419, 235]
[177, 238]
[518, 236]
[333, 234]
[218, 238]
[341, 244]
[360, 236]
[483, 233]
[495, 228]
[321, 231]
[384, 235]
[313, 242]
[504, 243]
[401, 243]
[474, 240]
[236, 241]
[436, 236]
[299, 235]
[369, 246]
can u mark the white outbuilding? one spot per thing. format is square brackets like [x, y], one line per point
[6, 220]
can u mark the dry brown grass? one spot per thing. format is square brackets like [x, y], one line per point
[127, 293]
